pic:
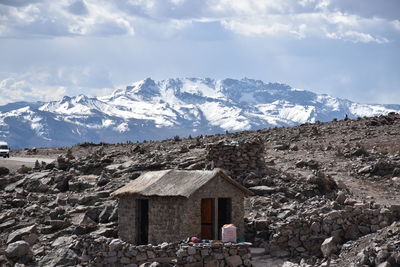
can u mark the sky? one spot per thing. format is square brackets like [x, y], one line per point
[348, 49]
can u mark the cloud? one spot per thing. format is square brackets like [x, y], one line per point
[301, 19]
[49, 84]
[396, 24]
[17, 3]
[22, 90]
[388, 9]
[256, 28]
[357, 37]
[355, 21]
[48, 18]
[78, 8]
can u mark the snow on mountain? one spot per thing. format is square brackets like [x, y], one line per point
[151, 109]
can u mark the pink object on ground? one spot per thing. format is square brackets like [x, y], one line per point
[229, 233]
[195, 240]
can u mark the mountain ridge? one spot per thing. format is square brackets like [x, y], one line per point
[150, 109]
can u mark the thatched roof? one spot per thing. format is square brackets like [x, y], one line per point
[173, 183]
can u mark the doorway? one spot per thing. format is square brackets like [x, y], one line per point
[224, 214]
[207, 218]
[142, 221]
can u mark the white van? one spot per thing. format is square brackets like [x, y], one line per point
[4, 150]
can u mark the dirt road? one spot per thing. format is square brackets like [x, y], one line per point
[13, 163]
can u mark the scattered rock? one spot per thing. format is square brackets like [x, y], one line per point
[329, 247]
[23, 169]
[60, 257]
[18, 250]
[4, 171]
[20, 233]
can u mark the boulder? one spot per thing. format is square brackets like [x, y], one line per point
[94, 212]
[384, 264]
[105, 214]
[11, 187]
[4, 171]
[293, 147]
[263, 190]
[17, 250]
[20, 233]
[83, 224]
[63, 163]
[7, 224]
[114, 215]
[325, 183]
[35, 186]
[341, 197]
[315, 227]
[234, 261]
[62, 241]
[329, 247]
[60, 257]
[381, 256]
[310, 163]
[62, 182]
[79, 186]
[103, 180]
[23, 169]
[362, 259]
[281, 147]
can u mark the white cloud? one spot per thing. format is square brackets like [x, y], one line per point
[356, 37]
[396, 24]
[159, 18]
[22, 90]
[64, 18]
[256, 28]
[48, 84]
[308, 18]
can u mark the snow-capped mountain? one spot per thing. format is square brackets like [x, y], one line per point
[149, 110]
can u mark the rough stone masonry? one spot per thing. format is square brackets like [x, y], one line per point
[239, 158]
[103, 251]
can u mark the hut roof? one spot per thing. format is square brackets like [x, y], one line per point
[173, 183]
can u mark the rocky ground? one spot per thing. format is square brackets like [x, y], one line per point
[329, 193]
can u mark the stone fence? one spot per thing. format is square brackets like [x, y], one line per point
[302, 235]
[102, 251]
[238, 158]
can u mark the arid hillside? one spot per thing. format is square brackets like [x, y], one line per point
[324, 193]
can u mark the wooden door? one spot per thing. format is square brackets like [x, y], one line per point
[207, 218]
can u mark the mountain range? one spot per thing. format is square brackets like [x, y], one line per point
[150, 110]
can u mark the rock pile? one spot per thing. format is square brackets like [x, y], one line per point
[379, 249]
[237, 157]
[315, 227]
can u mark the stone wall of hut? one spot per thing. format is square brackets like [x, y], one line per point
[165, 219]
[127, 219]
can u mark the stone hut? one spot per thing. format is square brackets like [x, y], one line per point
[172, 205]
